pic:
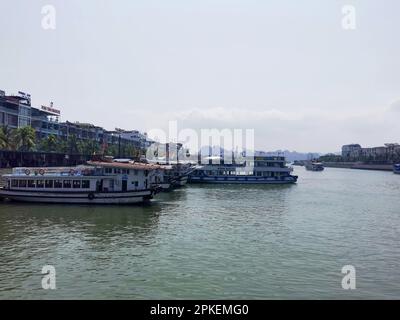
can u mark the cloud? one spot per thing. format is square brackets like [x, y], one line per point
[312, 129]
[235, 115]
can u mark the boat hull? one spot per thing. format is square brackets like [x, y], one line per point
[291, 180]
[181, 181]
[314, 169]
[78, 198]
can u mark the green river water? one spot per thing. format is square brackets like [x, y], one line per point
[213, 242]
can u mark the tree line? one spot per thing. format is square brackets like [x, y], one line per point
[388, 157]
[25, 139]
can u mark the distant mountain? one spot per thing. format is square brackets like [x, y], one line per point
[294, 155]
[289, 155]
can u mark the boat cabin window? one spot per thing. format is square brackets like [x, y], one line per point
[117, 170]
[136, 183]
[31, 183]
[86, 184]
[76, 184]
[108, 170]
[58, 184]
[39, 183]
[67, 184]
[125, 171]
[22, 183]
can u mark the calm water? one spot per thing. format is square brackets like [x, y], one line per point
[225, 242]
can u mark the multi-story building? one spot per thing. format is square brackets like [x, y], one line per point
[45, 121]
[137, 138]
[16, 112]
[389, 151]
[83, 131]
[351, 151]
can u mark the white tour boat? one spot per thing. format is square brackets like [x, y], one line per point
[98, 182]
[261, 170]
[314, 166]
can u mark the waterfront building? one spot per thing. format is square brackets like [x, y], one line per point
[45, 121]
[354, 152]
[130, 137]
[350, 151]
[82, 131]
[139, 139]
[16, 111]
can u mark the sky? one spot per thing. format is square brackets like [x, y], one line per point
[285, 68]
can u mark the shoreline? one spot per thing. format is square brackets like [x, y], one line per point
[359, 166]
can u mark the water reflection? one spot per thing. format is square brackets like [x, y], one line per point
[18, 220]
[262, 209]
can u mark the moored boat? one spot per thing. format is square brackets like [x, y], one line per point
[179, 174]
[396, 168]
[261, 170]
[173, 175]
[98, 182]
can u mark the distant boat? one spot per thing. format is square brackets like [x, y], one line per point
[396, 168]
[314, 166]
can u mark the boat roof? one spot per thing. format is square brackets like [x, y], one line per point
[121, 165]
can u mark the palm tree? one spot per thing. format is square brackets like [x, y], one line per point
[25, 138]
[62, 146]
[50, 144]
[112, 150]
[8, 139]
[72, 144]
[2, 139]
[91, 147]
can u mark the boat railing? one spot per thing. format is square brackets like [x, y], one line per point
[58, 171]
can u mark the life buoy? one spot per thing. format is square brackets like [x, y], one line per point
[27, 172]
[91, 196]
[41, 172]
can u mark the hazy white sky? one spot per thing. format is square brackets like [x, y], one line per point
[284, 68]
